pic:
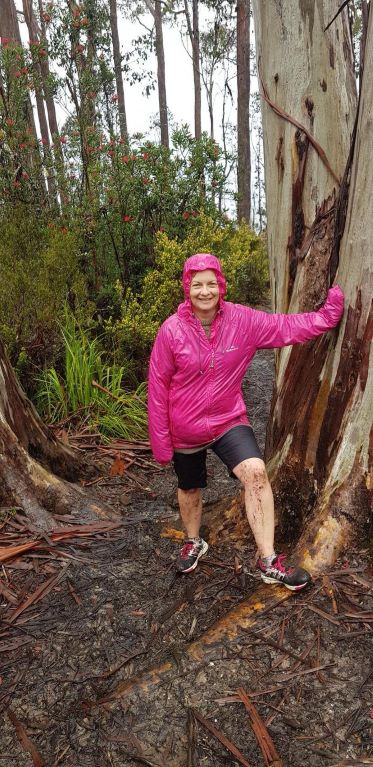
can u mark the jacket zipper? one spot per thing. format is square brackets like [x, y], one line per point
[209, 388]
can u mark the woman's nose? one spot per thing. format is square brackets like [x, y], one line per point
[205, 290]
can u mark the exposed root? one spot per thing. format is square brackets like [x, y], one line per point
[210, 644]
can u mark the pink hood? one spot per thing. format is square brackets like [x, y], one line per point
[198, 263]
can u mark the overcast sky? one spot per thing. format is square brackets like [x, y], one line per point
[179, 84]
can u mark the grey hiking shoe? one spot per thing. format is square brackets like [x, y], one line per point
[189, 555]
[294, 578]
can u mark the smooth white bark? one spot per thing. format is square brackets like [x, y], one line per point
[308, 73]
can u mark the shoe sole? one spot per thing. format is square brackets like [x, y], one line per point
[194, 565]
[265, 579]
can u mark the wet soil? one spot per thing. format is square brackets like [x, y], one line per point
[71, 690]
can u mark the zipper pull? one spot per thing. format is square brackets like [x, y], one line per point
[212, 363]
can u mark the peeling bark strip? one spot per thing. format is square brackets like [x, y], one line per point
[281, 113]
[26, 742]
[352, 373]
[340, 9]
[219, 736]
[265, 742]
[314, 253]
[299, 155]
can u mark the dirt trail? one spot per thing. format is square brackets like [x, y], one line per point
[119, 610]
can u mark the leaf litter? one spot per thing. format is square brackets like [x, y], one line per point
[92, 607]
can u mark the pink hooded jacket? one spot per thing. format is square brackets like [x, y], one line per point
[195, 382]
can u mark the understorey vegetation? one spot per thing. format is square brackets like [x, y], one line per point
[95, 223]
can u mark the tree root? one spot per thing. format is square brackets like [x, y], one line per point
[210, 644]
[27, 484]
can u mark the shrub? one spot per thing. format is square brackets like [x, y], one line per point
[38, 270]
[246, 267]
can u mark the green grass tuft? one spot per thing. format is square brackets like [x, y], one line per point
[114, 413]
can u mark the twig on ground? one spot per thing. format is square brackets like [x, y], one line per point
[265, 742]
[219, 736]
[192, 739]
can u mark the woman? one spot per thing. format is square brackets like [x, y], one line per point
[197, 364]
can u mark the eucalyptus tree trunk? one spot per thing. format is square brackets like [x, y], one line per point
[243, 111]
[318, 440]
[155, 9]
[161, 73]
[8, 22]
[118, 70]
[33, 463]
[193, 32]
[33, 32]
[49, 100]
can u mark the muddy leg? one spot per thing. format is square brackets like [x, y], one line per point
[258, 502]
[190, 502]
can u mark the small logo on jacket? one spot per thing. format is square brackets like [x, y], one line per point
[232, 349]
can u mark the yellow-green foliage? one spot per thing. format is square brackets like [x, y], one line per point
[136, 329]
[244, 260]
[37, 267]
[246, 267]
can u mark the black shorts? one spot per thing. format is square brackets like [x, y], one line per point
[234, 446]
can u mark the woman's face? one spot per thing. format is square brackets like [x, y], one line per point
[204, 291]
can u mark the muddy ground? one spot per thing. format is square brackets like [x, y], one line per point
[74, 684]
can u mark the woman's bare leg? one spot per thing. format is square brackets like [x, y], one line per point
[190, 502]
[258, 502]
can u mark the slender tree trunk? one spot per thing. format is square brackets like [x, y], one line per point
[40, 105]
[196, 72]
[9, 22]
[9, 28]
[49, 100]
[161, 70]
[317, 444]
[118, 71]
[210, 104]
[193, 32]
[243, 110]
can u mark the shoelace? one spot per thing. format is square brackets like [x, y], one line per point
[187, 549]
[279, 563]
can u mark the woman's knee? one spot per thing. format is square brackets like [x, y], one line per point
[190, 491]
[252, 472]
[190, 497]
